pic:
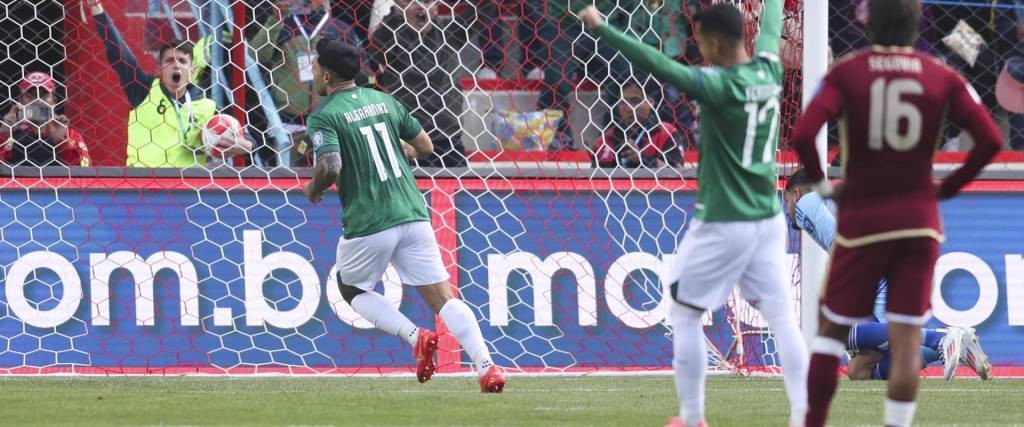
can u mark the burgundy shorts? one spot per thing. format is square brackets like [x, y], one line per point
[907, 265]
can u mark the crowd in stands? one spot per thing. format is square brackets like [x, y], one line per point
[983, 40]
[423, 52]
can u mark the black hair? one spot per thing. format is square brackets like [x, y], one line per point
[893, 22]
[723, 20]
[183, 46]
[338, 57]
[798, 179]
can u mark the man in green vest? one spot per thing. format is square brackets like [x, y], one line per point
[168, 113]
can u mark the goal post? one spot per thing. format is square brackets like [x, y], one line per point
[813, 260]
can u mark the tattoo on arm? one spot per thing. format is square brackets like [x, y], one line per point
[326, 171]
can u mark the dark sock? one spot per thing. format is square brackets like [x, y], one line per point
[822, 380]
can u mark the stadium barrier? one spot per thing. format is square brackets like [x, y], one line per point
[151, 275]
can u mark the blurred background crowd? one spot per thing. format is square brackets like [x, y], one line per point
[134, 82]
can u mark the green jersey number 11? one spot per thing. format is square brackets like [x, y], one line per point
[756, 117]
[389, 149]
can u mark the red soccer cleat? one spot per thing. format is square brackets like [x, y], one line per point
[493, 381]
[426, 345]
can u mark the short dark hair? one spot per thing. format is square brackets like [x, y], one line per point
[338, 57]
[798, 179]
[893, 22]
[183, 46]
[722, 19]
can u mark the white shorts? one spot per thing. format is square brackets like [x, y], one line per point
[715, 257]
[410, 247]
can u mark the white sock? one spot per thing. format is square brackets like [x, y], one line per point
[462, 323]
[789, 342]
[690, 360]
[899, 413]
[384, 316]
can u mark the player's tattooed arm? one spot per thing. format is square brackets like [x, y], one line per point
[325, 173]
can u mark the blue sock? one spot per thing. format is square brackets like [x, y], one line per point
[928, 356]
[932, 338]
[869, 336]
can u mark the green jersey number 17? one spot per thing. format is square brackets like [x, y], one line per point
[758, 115]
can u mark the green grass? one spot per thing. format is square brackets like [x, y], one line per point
[617, 401]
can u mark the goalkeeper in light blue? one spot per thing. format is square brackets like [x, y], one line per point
[868, 343]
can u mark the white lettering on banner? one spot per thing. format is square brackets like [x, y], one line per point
[143, 273]
[988, 290]
[392, 291]
[1015, 289]
[499, 266]
[257, 267]
[615, 289]
[15, 289]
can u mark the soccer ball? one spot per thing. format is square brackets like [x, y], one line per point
[215, 129]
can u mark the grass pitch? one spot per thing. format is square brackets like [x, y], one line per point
[548, 401]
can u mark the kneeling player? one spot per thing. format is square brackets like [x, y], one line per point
[868, 343]
[385, 218]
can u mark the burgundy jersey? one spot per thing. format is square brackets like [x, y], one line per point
[892, 104]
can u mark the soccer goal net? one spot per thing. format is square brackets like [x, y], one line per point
[560, 186]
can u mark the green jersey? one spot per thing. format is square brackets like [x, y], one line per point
[739, 116]
[376, 186]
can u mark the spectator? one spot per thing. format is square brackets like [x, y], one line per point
[637, 137]
[847, 25]
[1010, 85]
[33, 134]
[167, 113]
[285, 45]
[1010, 94]
[417, 63]
[572, 55]
[492, 30]
[678, 42]
[995, 24]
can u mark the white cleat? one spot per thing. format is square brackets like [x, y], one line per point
[973, 356]
[952, 346]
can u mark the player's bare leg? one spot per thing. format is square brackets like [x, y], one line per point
[904, 376]
[823, 376]
[459, 319]
[859, 367]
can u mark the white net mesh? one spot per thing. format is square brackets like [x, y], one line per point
[558, 196]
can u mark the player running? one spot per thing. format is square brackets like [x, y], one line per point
[868, 343]
[738, 234]
[891, 101]
[356, 133]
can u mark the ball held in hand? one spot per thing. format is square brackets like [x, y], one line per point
[217, 134]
